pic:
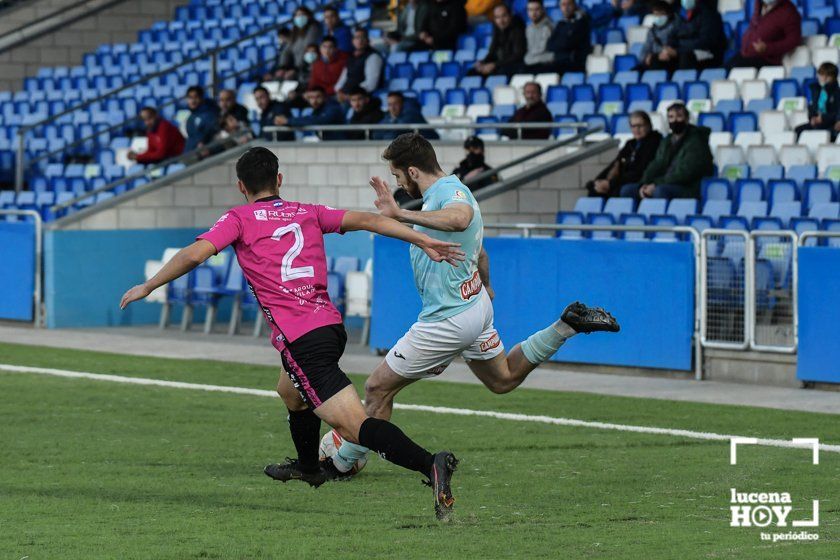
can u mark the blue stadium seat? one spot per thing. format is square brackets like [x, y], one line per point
[558, 94]
[633, 220]
[714, 209]
[742, 122]
[456, 96]
[817, 191]
[610, 92]
[652, 206]
[752, 209]
[800, 173]
[681, 208]
[570, 218]
[601, 220]
[834, 226]
[749, 190]
[583, 92]
[480, 96]
[715, 189]
[714, 121]
[617, 206]
[589, 205]
[699, 223]
[768, 172]
[666, 91]
[638, 92]
[664, 221]
[696, 90]
[819, 211]
[784, 88]
[624, 63]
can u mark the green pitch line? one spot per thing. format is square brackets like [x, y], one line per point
[99, 470]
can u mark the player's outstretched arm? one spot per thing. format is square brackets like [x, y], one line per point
[184, 261]
[437, 250]
[455, 217]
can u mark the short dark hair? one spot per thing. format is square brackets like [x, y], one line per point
[148, 109]
[329, 39]
[331, 9]
[678, 106]
[828, 69]
[502, 5]
[358, 90]
[316, 88]
[198, 90]
[661, 6]
[540, 2]
[257, 169]
[261, 88]
[412, 150]
[396, 94]
[642, 115]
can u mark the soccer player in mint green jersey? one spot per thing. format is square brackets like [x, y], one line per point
[457, 315]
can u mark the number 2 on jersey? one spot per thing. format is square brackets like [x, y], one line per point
[287, 271]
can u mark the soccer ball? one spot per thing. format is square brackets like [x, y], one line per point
[329, 447]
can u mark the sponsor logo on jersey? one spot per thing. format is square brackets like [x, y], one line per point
[278, 204]
[459, 194]
[436, 370]
[471, 287]
[261, 215]
[492, 342]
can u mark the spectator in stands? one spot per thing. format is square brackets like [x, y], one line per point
[363, 69]
[364, 111]
[473, 165]
[228, 104]
[284, 38]
[631, 161]
[410, 22]
[402, 111]
[447, 20]
[163, 139]
[775, 30]
[660, 35]
[570, 41]
[328, 68]
[700, 40]
[536, 37]
[507, 48]
[306, 32]
[325, 111]
[334, 27]
[235, 132]
[682, 160]
[203, 122]
[622, 8]
[534, 110]
[825, 102]
[270, 109]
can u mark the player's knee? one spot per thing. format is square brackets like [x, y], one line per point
[502, 386]
[374, 391]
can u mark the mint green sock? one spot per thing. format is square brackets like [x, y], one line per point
[347, 455]
[542, 345]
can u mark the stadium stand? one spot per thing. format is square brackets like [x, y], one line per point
[752, 113]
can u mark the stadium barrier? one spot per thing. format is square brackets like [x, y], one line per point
[21, 267]
[818, 358]
[725, 289]
[775, 277]
[657, 332]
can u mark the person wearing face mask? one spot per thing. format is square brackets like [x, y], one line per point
[682, 160]
[775, 30]
[305, 32]
[699, 40]
[631, 161]
[328, 67]
[658, 38]
[473, 164]
[825, 102]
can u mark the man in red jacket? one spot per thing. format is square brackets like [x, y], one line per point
[775, 30]
[164, 139]
[327, 69]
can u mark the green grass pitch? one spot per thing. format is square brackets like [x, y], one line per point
[90, 469]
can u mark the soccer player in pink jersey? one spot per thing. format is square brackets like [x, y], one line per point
[280, 246]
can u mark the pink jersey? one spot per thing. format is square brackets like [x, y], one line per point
[280, 247]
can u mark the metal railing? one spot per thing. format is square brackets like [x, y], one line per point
[528, 228]
[725, 289]
[774, 318]
[211, 56]
[38, 281]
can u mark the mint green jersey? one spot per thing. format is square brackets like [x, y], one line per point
[447, 290]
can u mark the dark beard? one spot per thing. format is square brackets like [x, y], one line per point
[412, 188]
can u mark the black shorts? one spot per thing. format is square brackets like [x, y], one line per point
[311, 362]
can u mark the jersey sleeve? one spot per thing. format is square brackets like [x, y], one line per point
[224, 232]
[453, 194]
[329, 218]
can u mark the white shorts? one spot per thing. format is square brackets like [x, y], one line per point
[428, 348]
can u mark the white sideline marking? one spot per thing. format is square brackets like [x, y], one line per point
[424, 408]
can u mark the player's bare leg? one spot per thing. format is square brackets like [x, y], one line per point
[504, 373]
[381, 388]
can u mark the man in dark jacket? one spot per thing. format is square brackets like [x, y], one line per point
[507, 49]
[402, 111]
[534, 110]
[334, 27]
[570, 41]
[364, 67]
[473, 165]
[324, 112]
[163, 139]
[681, 162]
[270, 109]
[203, 122]
[825, 102]
[410, 23]
[229, 105]
[365, 111]
[775, 30]
[632, 159]
[447, 19]
[700, 40]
